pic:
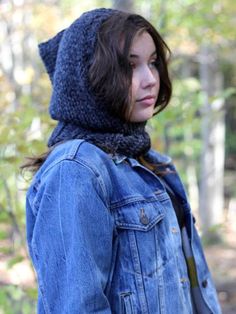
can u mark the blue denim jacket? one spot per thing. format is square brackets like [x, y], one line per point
[104, 238]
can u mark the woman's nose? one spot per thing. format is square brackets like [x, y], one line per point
[150, 77]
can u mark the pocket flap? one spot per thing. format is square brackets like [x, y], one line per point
[139, 216]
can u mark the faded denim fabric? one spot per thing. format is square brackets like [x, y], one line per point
[104, 238]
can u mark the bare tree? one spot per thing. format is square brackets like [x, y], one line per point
[124, 5]
[213, 138]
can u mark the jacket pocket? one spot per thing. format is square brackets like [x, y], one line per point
[143, 238]
[144, 249]
[140, 216]
[126, 303]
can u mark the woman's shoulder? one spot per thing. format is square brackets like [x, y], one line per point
[73, 158]
[79, 152]
[69, 166]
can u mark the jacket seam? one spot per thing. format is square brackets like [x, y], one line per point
[83, 163]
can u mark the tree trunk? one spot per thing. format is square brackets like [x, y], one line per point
[213, 138]
[191, 172]
[123, 5]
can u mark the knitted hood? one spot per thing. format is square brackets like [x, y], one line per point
[67, 58]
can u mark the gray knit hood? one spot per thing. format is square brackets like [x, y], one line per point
[67, 58]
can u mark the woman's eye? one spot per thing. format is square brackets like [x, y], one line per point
[154, 63]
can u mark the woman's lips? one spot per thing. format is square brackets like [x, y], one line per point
[147, 101]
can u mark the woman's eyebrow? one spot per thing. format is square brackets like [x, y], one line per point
[135, 56]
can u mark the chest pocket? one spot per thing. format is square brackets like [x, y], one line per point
[140, 216]
[144, 240]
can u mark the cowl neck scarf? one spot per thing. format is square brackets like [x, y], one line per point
[67, 58]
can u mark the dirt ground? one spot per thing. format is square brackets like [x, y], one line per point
[222, 263]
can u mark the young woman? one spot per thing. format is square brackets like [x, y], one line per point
[109, 227]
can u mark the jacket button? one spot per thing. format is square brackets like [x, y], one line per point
[204, 283]
[143, 217]
[174, 230]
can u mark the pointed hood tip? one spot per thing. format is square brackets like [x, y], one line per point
[48, 52]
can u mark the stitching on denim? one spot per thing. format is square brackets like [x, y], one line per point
[81, 162]
[74, 148]
[61, 231]
[140, 227]
[40, 280]
[139, 200]
[138, 271]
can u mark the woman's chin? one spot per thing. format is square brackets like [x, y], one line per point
[141, 117]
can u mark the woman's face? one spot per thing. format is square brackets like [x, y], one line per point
[145, 80]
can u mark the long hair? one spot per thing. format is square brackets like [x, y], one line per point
[110, 73]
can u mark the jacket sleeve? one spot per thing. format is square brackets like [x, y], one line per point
[71, 243]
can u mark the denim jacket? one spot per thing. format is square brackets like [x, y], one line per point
[103, 236]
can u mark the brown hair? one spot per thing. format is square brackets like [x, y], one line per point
[110, 72]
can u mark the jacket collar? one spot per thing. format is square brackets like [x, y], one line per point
[152, 156]
[171, 176]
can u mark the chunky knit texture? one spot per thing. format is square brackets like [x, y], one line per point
[67, 58]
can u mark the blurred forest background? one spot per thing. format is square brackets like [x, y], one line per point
[197, 129]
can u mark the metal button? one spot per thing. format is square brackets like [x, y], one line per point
[143, 217]
[174, 230]
[183, 280]
[204, 283]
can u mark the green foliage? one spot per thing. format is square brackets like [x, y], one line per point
[14, 300]
[3, 235]
[15, 260]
